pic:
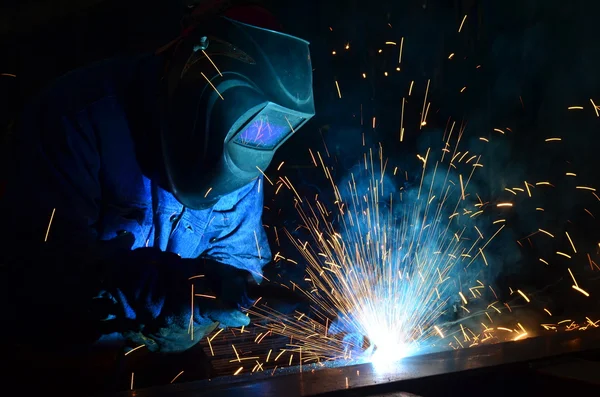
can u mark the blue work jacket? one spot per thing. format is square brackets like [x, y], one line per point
[78, 178]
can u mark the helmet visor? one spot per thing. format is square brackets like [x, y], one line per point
[270, 128]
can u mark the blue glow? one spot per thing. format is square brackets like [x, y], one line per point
[386, 358]
[395, 259]
[266, 131]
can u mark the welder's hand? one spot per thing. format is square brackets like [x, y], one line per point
[169, 303]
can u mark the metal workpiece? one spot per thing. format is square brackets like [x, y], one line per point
[370, 379]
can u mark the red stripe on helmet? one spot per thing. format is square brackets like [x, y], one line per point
[255, 16]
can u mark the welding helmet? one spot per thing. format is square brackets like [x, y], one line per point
[234, 93]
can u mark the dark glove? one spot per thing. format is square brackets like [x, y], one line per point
[152, 303]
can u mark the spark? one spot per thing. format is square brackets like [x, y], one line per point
[131, 382]
[462, 23]
[595, 107]
[573, 277]
[585, 188]
[483, 256]
[212, 352]
[545, 232]
[279, 355]
[423, 122]
[553, 139]
[575, 107]
[211, 84]
[576, 288]
[238, 371]
[527, 188]
[236, 353]
[257, 245]
[523, 295]
[205, 296]
[520, 336]
[400, 53]
[216, 334]
[571, 241]
[49, 225]
[191, 322]
[218, 71]
[504, 205]
[134, 349]
[338, 89]
[402, 122]
[207, 192]
[176, 376]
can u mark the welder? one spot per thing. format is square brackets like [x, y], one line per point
[134, 209]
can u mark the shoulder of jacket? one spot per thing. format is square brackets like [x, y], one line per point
[77, 90]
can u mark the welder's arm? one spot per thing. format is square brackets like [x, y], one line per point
[49, 212]
[168, 303]
[55, 263]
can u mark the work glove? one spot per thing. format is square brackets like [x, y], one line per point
[168, 303]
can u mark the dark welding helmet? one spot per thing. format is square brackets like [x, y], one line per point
[234, 94]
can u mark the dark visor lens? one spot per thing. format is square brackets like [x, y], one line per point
[267, 129]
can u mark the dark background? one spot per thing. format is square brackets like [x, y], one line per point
[537, 58]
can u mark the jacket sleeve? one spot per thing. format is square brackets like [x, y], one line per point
[52, 206]
[246, 245]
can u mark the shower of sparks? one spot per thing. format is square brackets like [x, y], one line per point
[382, 269]
[383, 265]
